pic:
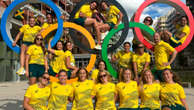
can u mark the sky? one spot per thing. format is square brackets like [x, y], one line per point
[155, 11]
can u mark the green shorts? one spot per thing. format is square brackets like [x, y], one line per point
[79, 21]
[129, 109]
[51, 72]
[174, 107]
[69, 74]
[111, 24]
[36, 70]
[148, 109]
[158, 75]
[27, 43]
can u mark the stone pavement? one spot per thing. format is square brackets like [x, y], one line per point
[12, 93]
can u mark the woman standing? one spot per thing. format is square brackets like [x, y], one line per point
[149, 92]
[70, 60]
[101, 66]
[127, 91]
[37, 95]
[29, 31]
[36, 62]
[105, 92]
[172, 93]
[82, 91]
[60, 93]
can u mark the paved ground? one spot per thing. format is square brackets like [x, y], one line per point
[11, 95]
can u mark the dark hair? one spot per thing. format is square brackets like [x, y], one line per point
[87, 74]
[61, 71]
[175, 77]
[122, 76]
[97, 66]
[42, 43]
[31, 17]
[65, 48]
[103, 1]
[127, 43]
[151, 21]
[94, 1]
[185, 17]
[55, 47]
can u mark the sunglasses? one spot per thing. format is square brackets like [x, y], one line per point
[141, 47]
[47, 78]
[148, 20]
[102, 76]
[39, 39]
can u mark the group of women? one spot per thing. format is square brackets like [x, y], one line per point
[103, 94]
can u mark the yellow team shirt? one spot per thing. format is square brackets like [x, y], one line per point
[171, 94]
[29, 32]
[46, 25]
[58, 62]
[36, 54]
[72, 59]
[95, 74]
[162, 51]
[112, 14]
[125, 59]
[86, 10]
[105, 94]
[82, 95]
[150, 96]
[184, 29]
[141, 61]
[59, 96]
[38, 97]
[128, 94]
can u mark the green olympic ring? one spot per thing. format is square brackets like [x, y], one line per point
[108, 37]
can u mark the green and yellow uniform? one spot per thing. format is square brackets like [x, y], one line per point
[36, 61]
[38, 97]
[95, 74]
[149, 94]
[128, 94]
[125, 59]
[171, 94]
[141, 60]
[72, 59]
[29, 32]
[46, 25]
[105, 94]
[82, 95]
[59, 96]
[58, 62]
[162, 51]
[185, 29]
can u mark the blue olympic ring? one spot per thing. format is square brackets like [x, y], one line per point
[8, 39]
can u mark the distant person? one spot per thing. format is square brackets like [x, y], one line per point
[127, 92]
[29, 31]
[36, 61]
[124, 58]
[162, 53]
[141, 61]
[172, 93]
[149, 92]
[37, 95]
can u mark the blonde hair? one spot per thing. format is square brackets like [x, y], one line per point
[142, 79]
[108, 75]
[122, 75]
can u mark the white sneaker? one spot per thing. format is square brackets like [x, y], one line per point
[21, 71]
[103, 35]
[98, 47]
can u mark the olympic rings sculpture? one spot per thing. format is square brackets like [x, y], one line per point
[174, 3]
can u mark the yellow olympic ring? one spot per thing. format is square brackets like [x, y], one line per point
[80, 29]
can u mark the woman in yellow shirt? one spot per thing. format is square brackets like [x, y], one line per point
[172, 93]
[127, 91]
[60, 93]
[36, 61]
[100, 67]
[82, 90]
[149, 92]
[70, 60]
[57, 58]
[37, 95]
[124, 58]
[29, 31]
[104, 92]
